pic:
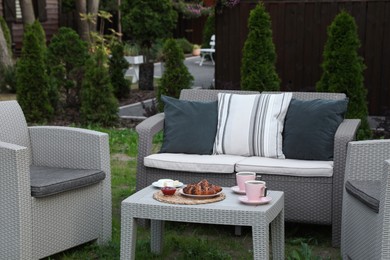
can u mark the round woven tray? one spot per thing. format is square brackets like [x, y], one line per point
[177, 198]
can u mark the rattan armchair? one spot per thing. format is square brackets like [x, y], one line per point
[366, 209]
[315, 200]
[33, 227]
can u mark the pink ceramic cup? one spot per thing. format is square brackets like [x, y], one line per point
[242, 177]
[254, 190]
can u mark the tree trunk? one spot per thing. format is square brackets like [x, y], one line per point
[81, 8]
[146, 72]
[93, 8]
[27, 11]
[5, 56]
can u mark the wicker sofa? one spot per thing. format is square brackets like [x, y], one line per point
[316, 200]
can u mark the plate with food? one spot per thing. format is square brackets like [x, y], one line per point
[167, 182]
[201, 190]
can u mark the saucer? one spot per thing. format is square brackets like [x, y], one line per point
[262, 200]
[237, 190]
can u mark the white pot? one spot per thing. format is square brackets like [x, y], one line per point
[135, 59]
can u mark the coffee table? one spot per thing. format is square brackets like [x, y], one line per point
[229, 211]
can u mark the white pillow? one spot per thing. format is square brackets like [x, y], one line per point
[251, 125]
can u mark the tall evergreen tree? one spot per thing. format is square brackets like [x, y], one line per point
[32, 80]
[176, 75]
[118, 66]
[98, 103]
[259, 57]
[343, 69]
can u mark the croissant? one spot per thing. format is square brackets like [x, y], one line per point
[202, 188]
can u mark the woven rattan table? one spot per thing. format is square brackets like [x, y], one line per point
[229, 211]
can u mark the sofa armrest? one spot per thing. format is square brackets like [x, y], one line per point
[146, 130]
[15, 201]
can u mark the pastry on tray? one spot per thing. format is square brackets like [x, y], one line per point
[202, 188]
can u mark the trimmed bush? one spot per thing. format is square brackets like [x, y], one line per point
[343, 69]
[185, 45]
[118, 66]
[67, 54]
[176, 75]
[258, 57]
[98, 103]
[32, 80]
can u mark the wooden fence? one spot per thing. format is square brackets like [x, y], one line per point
[299, 33]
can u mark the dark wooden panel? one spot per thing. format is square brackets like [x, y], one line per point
[299, 34]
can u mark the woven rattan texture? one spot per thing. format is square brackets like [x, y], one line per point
[180, 199]
[36, 228]
[366, 234]
[308, 200]
[226, 212]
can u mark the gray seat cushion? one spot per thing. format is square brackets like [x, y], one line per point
[368, 192]
[46, 181]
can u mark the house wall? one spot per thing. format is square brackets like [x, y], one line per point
[299, 34]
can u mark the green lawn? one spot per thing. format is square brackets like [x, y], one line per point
[189, 241]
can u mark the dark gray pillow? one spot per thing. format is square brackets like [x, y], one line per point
[189, 126]
[310, 127]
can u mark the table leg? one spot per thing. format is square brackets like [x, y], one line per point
[277, 233]
[128, 236]
[156, 237]
[260, 236]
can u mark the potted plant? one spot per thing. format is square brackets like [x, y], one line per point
[196, 50]
[132, 54]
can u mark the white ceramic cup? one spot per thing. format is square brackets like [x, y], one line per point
[255, 189]
[242, 177]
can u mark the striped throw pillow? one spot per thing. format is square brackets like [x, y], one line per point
[251, 125]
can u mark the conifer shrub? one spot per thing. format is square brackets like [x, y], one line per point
[98, 103]
[118, 66]
[67, 54]
[176, 75]
[7, 34]
[208, 31]
[31, 77]
[343, 69]
[258, 70]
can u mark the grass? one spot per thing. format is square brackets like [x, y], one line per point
[185, 240]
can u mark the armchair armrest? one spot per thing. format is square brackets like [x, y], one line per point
[15, 201]
[69, 147]
[146, 130]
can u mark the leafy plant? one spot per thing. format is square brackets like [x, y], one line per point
[31, 74]
[67, 54]
[131, 49]
[176, 75]
[208, 31]
[98, 105]
[185, 45]
[343, 69]
[118, 66]
[258, 56]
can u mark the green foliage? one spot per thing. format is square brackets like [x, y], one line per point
[259, 57]
[32, 79]
[8, 79]
[176, 75]
[148, 20]
[7, 34]
[98, 104]
[343, 69]
[67, 54]
[208, 31]
[185, 45]
[118, 66]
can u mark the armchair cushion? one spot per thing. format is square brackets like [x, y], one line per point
[310, 127]
[189, 126]
[46, 181]
[367, 192]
